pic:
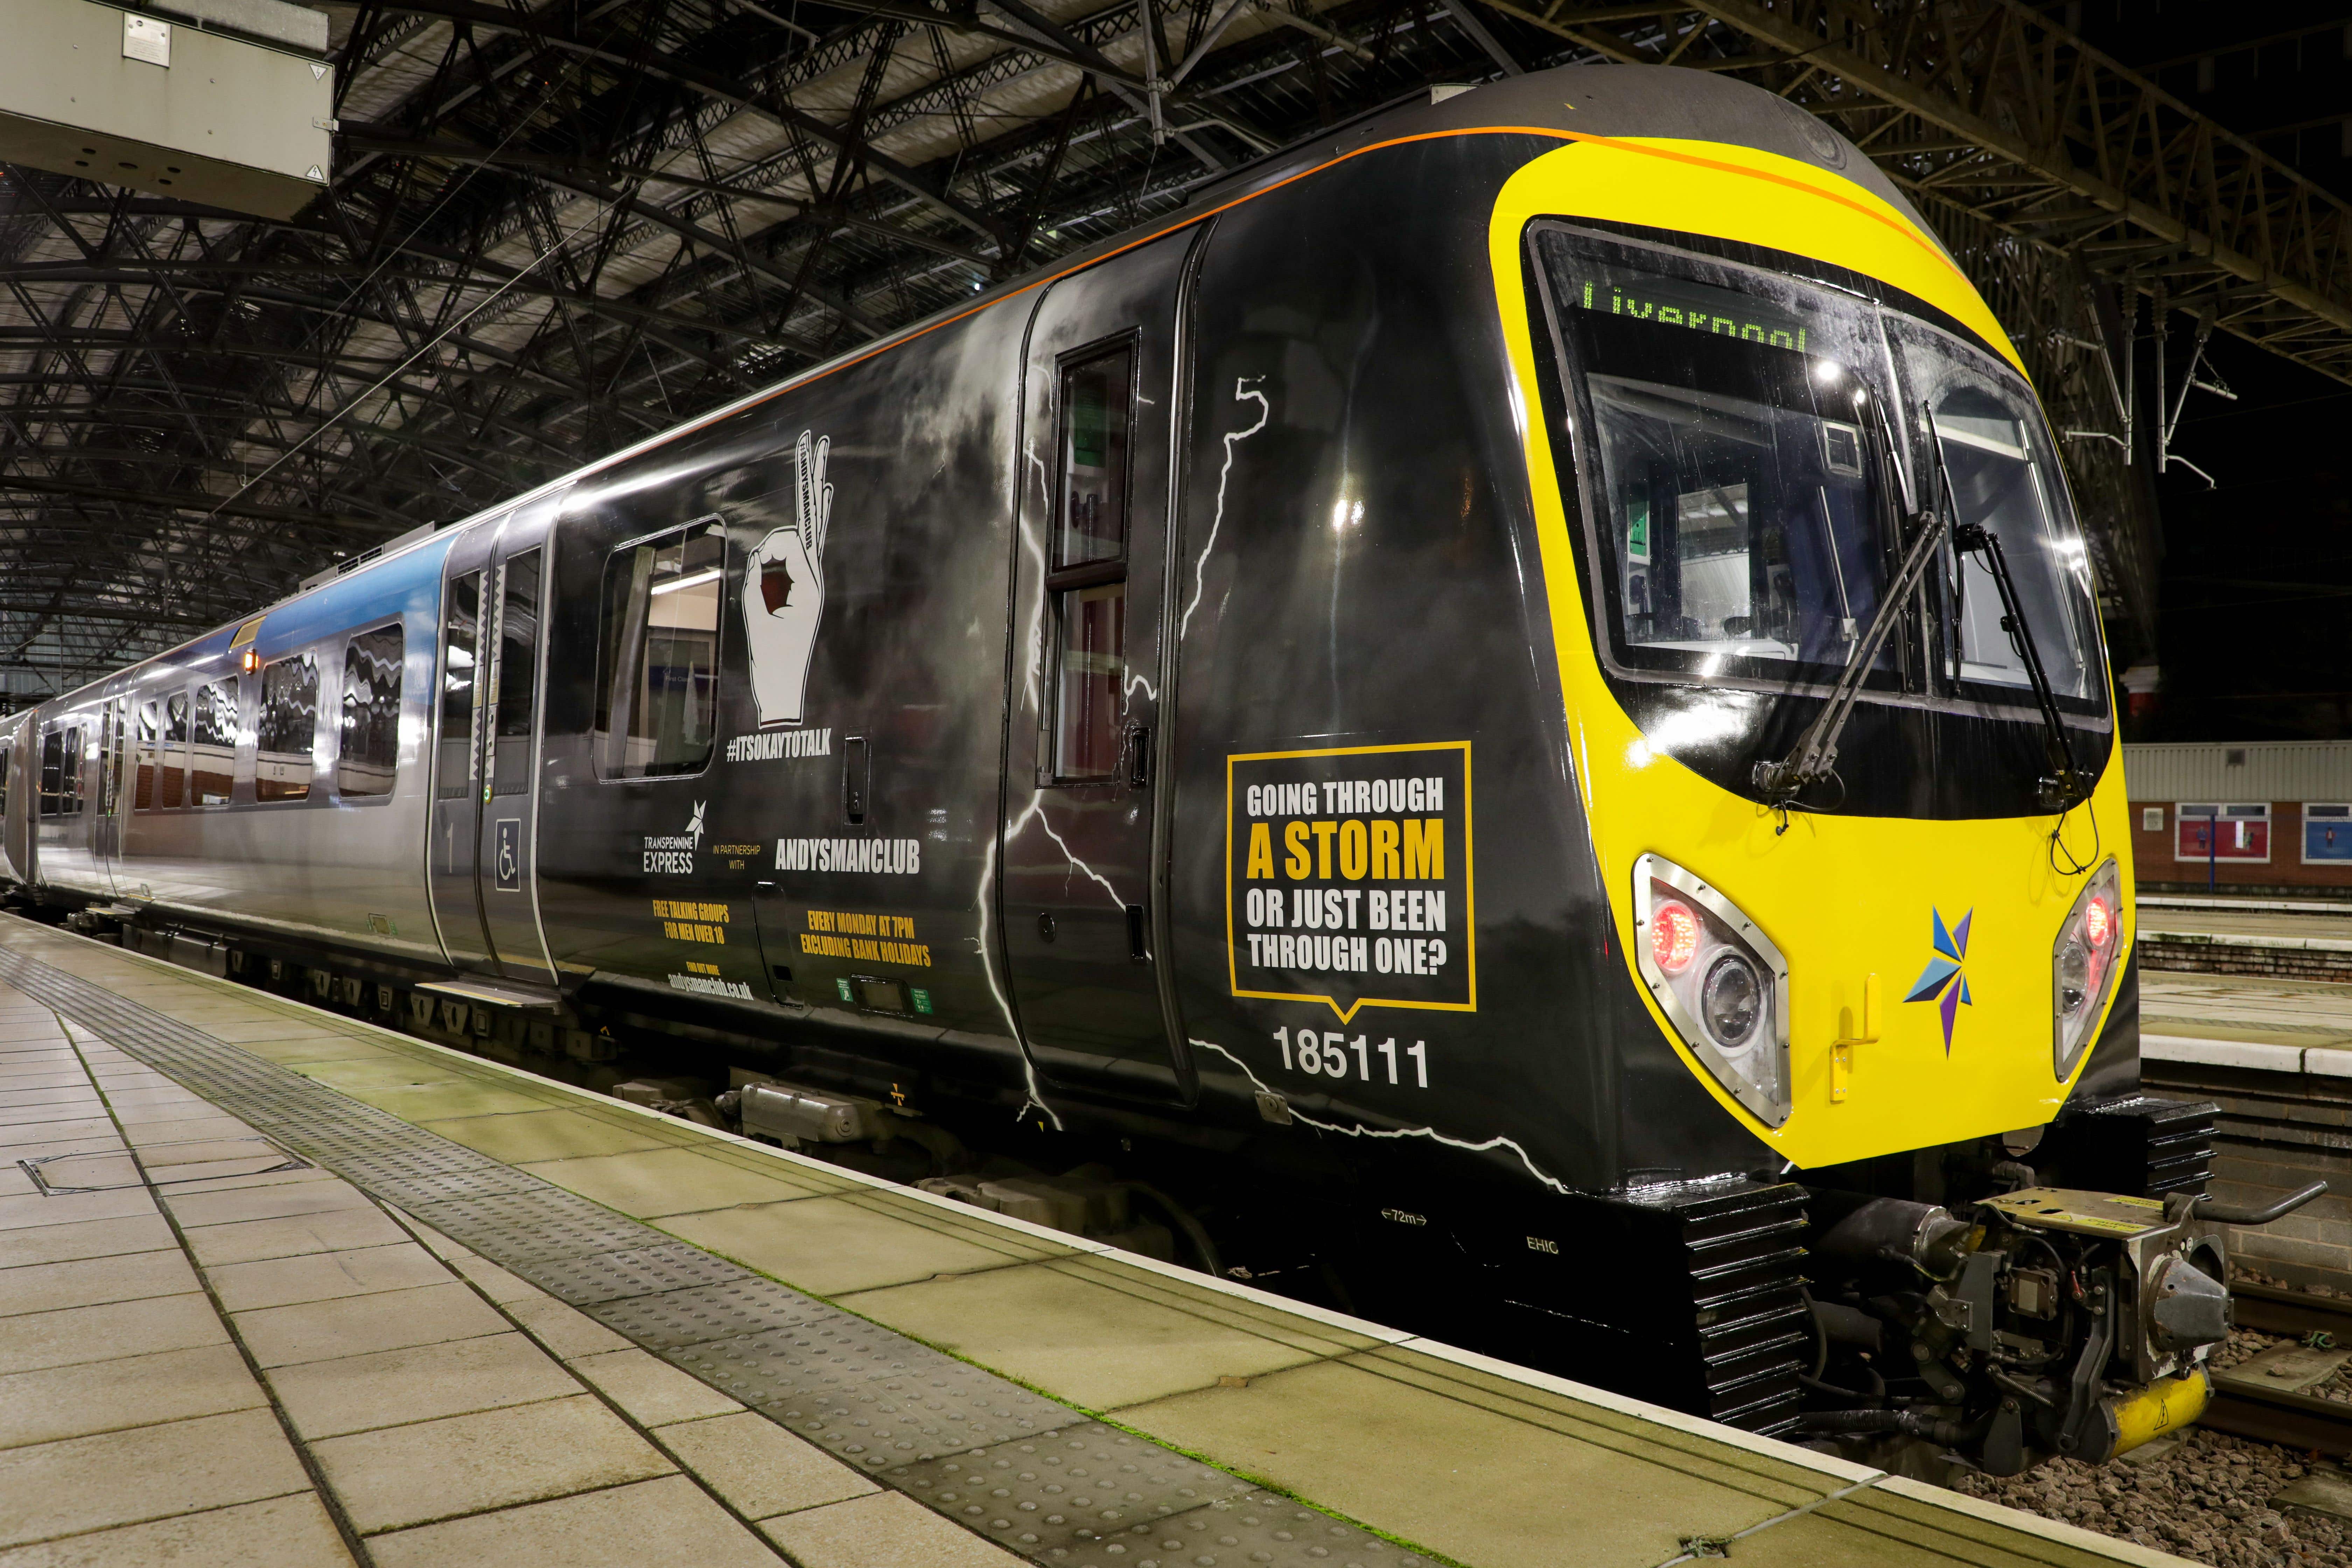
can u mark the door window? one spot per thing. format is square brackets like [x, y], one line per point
[111, 743]
[517, 675]
[460, 638]
[657, 680]
[170, 795]
[367, 760]
[1087, 585]
[53, 774]
[216, 743]
[285, 735]
[150, 731]
[1097, 395]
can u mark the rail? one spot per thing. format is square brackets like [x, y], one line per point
[2290, 1417]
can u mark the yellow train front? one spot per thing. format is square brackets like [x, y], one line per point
[1786, 1013]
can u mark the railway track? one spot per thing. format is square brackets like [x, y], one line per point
[2250, 1406]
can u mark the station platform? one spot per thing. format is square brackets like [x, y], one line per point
[2270, 938]
[2276, 1056]
[279, 1288]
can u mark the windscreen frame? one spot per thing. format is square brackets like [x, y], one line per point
[1919, 681]
[2038, 451]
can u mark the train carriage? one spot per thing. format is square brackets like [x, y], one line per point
[1508, 706]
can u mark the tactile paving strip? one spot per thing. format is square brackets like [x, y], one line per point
[1077, 1488]
[1243, 1532]
[1044, 1481]
[394, 1175]
[532, 1227]
[872, 1396]
[671, 1267]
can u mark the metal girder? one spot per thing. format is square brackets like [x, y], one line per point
[2070, 188]
[539, 28]
[551, 230]
[180, 501]
[1989, 107]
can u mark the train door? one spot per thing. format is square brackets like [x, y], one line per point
[506, 860]
[456, 832]
[486, 768]
[1083, 854]
[19, 750]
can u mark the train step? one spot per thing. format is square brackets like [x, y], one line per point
[529, 998]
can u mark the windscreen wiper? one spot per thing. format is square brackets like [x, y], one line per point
[1815, 756]
[2063, 787]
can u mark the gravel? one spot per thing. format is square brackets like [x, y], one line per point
[2207, 1499]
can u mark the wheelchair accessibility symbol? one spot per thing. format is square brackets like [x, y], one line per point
[509, 862]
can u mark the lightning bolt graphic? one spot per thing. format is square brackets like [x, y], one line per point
[1242, 392]
[1496, 1142]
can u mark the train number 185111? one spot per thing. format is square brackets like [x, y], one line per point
[1327, 1055]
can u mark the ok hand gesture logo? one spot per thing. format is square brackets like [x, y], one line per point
[784, 592]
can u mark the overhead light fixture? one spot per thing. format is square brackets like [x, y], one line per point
[691, 580]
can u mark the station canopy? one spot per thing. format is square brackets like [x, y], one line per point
[551, 230]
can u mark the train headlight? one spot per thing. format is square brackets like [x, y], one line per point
[2082, 964]
[1731, 1000]
[1719, 980]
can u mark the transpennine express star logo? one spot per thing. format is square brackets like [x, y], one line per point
[1941, 982]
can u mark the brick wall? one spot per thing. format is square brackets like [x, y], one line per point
[2312, 1245]
[2270, 963]
[2158, 871]
[2279, 1131]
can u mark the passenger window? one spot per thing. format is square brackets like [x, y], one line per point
[461, 629]
[286, 736]
[517, 675]
[368, 759]
[658, 681]
[216, 744]
[1088, 582]
[171, 796]
[148, 722]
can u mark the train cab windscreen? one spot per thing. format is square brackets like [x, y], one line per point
[1751, 445]
[1996, 459]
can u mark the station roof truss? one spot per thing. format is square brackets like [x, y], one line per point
[553, 230]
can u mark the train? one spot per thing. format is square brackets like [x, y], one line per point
[1500, 721]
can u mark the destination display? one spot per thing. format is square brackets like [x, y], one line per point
[1689, 304]
[1349, 876]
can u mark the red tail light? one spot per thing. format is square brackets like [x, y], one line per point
[2098, 922]
[1674, 936]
